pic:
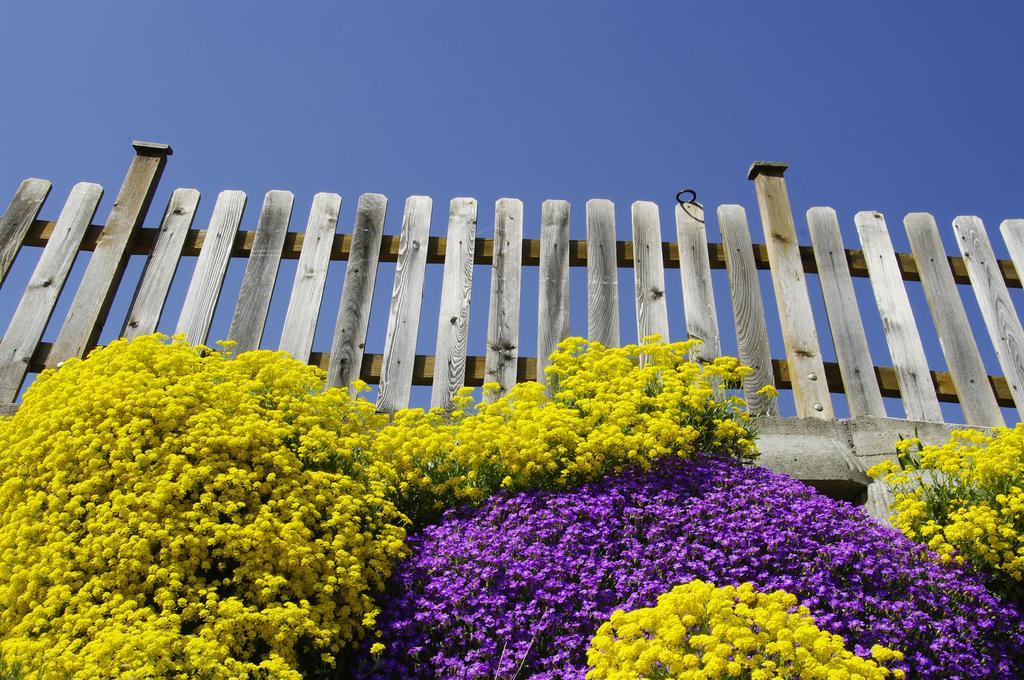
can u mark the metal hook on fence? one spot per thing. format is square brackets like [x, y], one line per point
[691, 201]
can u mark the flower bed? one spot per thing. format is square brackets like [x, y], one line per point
[524, 581]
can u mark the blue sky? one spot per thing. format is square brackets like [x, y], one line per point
[886, 106]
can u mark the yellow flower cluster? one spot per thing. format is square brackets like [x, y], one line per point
[965, 499]
[169, 510]
[605, 409]
[698, 631]
[165, 511]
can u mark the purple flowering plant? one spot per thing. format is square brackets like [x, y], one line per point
[517, 586]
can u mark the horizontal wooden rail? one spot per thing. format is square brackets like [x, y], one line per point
[41, 230]
[423, 374]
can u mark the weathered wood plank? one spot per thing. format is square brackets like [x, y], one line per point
[996, 307]
[456, 294]
[310, 277]
[649, 272]
[102, 276]
[748, 308]
[695, 273]
[798, 332]
[357, 292]
[955, 337]
[406, 298]
[503, 315]
[553, 289]
[1013, 236]
[151, 294]
[36, 306]
[208, 277]
[16, 220]
[901, 333]
[250, 316]
[854, 357]
[602, 274]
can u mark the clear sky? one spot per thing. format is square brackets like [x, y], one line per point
[888, 106]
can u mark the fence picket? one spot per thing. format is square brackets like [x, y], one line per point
[649, 272]
[103, 274]
[16, 220]
[36, 306]
[958, 343]
[406, 298]
[748, 309]
[863, 395]
[901, 333]
[994, 299]
[250, 316]
[602, 274]
[310, 277]
[161, 265]
[501, 363]
[357, 292]
[553, 292]
[803, 354]
[211, 266]
[695, 273]
[456, 294]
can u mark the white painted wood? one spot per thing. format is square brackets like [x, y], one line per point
[698, 289]
[994, 299]
[748, 309]
[501, 362]
[955, 336]
[863, 394]
[406, 298]
[36, 306]
[803, 353]
[602, 274]
[456, 294]
[357, 292]
[649, 272]
[901, 332]
[250, 317]
[211, 266]
[310, 277]
[151, 294]
[16, 220]
[553, 292]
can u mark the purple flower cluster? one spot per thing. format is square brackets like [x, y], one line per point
[522, 582]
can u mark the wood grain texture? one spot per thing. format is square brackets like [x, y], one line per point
[955, 337]
[698, 289]
[18, 218]
[208, 277]
[151, 294]
[503, 314]
[798, 332]
[602, 274]
[1013, 236]
[748, 309]
[357, 292]
[36, 306]
[406, 298]
[996, 307]
[553, 280]
[102, 276]
[901, 332]
[456, 294]
[250, 315]
[854, 357]
[310, 277]
[649, 272]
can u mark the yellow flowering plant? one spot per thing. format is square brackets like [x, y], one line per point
[698, 631]
[965, 500]
[168, 509]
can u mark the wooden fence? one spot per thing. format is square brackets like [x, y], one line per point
[397, 367]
